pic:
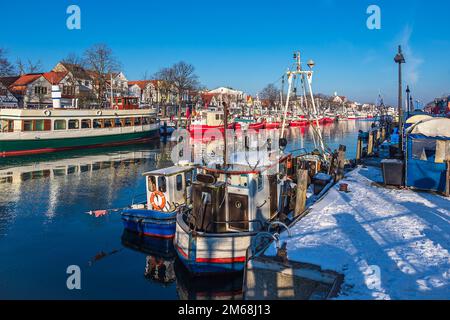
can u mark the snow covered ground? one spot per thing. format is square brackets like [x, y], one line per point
[388, 243]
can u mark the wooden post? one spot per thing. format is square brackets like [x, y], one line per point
[359, 150]
[340, 163]
[302, 186]
[370, 144]
[447, 185]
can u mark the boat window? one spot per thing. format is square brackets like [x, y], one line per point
[39, 125]
[97, 123]
[151, 183]
[86, 124]
[28, 125]
[59, 125]
[127, 122]
[108, 123]
[145, 120]
[117, 122]
[74, 124]
[137, 121]
[152, 120]
[7, 125]
[179, 182]
[260, 181]
[162, 184]
[424, 149]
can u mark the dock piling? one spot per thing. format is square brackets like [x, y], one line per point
[302, 186]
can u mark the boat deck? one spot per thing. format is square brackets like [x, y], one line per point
[387, 243]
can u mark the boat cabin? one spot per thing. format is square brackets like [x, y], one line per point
[428, 149]
[126, 103]
[174, 183]
[251, 200]
[213, 118]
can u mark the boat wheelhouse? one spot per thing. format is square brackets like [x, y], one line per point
[33, 131]
[168, 190]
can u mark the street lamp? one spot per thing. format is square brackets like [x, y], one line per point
[408, 99]
[399, 59]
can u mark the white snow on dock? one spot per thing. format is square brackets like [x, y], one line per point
[388, 243]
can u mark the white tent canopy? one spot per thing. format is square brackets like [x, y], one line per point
[417, 118]
[436, 127]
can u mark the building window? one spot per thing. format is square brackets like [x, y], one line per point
[74, 124]
[60, 125]
[68, 90]
[40, 90]
[3, 92]
[85, 124]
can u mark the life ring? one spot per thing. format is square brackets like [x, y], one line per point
[48, 113]
[154, 204]
[99, 112]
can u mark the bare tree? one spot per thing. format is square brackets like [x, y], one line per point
[28, 66]
[271, 94]
[181, 78]
[74, 59]
[101, 62]
[6, 68]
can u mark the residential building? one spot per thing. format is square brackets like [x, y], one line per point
[145, 90]
[7, 99]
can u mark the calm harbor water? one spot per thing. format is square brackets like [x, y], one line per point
[44, 225]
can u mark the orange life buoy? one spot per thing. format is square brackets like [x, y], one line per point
[154, 204]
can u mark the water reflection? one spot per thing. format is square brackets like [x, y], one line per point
[44, 226]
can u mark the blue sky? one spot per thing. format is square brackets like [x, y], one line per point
[248, 44]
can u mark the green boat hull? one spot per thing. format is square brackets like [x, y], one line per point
[36, 146]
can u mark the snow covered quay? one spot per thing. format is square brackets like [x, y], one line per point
[387, 243]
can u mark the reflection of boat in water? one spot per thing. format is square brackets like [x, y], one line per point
[224, 287]
[72, 162]
[160, 259]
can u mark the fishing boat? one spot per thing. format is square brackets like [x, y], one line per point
[247, 123]
[272, 123]
[214, 235]
[36, 131]
[167, 190]
[299, 122]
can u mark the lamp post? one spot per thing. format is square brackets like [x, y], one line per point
[408, 100]
[399, 59]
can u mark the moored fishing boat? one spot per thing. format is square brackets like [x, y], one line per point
[167, 190]
[214, 235]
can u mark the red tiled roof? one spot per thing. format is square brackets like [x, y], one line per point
[26, 79]
[54, 77]
[141, 83]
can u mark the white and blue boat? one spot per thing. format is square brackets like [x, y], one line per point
[168, 190]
